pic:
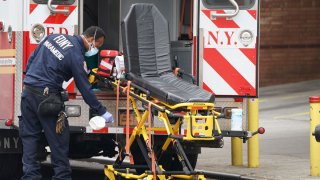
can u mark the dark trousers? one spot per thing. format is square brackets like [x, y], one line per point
[30, 128]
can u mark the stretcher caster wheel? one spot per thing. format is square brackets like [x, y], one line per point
[316, 133]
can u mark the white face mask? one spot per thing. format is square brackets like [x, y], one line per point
[92, 49]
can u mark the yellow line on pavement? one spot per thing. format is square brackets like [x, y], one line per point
[291, 115]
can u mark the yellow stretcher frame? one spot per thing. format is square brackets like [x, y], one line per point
[199, 127]
[110, 172]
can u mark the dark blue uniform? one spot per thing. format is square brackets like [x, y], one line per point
[57, 58]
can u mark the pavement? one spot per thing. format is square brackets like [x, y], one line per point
[284, 148]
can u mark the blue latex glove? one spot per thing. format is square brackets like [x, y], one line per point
[108, 117]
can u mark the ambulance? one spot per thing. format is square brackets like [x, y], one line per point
[215, 42]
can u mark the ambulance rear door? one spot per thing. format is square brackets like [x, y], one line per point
[226, 34]
[50, 17]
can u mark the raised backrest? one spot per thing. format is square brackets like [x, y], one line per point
[145, 37]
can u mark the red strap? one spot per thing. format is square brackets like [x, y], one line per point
[190, 28]
[117, 116]
[181, 17]
[117, 102]
[128, 117]
[153, 167]
[190, 34]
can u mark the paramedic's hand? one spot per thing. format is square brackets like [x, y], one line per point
[108, 117]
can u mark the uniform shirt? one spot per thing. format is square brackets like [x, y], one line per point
[59, 58]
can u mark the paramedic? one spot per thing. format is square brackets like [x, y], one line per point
[57, 58]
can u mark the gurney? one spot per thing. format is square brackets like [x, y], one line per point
[147, 77]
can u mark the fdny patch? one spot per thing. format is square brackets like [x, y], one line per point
[63, 42]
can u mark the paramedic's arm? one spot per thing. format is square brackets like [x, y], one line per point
[82, 83]
[34, 54]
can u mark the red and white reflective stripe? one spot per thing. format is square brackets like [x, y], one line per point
[229, 66]
[122, 130]
[68, 85]
[105, 64]
[61, 18]
[41, 14]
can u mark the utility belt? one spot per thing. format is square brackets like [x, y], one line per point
[53, 100]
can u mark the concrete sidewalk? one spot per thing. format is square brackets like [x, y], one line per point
[284, 148]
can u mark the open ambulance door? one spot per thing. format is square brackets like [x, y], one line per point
[226, 52]
[46, 17]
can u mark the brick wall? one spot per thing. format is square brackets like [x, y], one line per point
[290, 41]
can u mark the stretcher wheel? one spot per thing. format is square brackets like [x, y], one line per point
[170, 162]
[169, 159]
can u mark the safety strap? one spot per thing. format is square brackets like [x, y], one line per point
[117, 115]
[191, 25]
[128, 117]
[182, 15]
[153, 167]
[117, 102]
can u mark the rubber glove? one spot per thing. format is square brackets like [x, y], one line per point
[108, 117]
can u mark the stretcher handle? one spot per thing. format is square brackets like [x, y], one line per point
[138, 97]
[316, 133]
[56, 11]
[219, 115]
[235, 4]
[141, 89]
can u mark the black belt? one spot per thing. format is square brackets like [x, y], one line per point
[39, 91]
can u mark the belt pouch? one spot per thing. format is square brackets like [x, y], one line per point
[51, 106]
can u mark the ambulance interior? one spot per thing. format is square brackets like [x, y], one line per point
[108, 15]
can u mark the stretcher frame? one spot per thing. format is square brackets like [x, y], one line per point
[196, 131]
